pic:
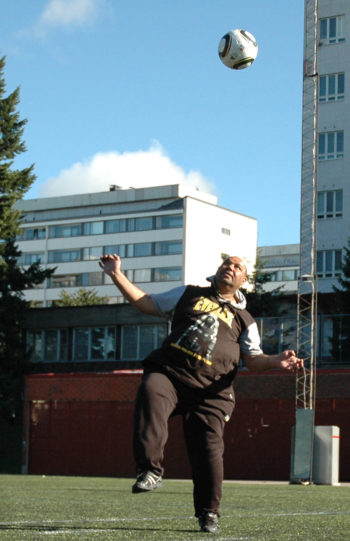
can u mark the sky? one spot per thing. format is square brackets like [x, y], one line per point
[133, 93]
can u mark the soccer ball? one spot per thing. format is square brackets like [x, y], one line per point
[238, 49]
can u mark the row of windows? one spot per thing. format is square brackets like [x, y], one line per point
[331, 88]
[278, 334]
[329, 264]
[330, 204]
[122, 225]
[93, 253]
[135, 342]
[160, 274]
[330, 146]
[127, 343]
[285, 275]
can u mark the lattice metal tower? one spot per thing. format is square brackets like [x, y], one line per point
[307, 288]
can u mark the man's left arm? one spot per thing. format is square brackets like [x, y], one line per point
[287, 360]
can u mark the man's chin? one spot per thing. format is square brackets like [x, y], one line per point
[226, 281]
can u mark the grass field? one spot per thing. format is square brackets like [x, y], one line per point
[85, 508]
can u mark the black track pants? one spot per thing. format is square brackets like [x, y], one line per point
[203, 421]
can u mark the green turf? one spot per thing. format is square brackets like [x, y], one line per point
[86, 508]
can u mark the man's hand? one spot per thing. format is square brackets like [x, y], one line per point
[289, 361]
[110, 264]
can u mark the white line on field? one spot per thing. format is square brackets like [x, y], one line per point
[68, 522]
[150, 519]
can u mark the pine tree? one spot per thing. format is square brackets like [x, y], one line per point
[13, 278]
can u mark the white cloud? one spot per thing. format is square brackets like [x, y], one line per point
[137, 169]
[67, 13]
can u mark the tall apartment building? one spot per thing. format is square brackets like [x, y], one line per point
[167, 236]
[333, 157]
[333, 175]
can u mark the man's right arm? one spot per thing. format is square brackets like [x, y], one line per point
[111, 265]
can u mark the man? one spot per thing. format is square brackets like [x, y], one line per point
[192, 375]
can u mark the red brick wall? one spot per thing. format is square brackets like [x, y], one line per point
[81, 424]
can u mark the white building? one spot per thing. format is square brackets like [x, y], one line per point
[333, 197]
[282, 262]
[167, 236]
[333, 156]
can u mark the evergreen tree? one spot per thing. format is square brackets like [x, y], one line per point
[83, 297]
[340, 340]
[262, 303]
[13, 278]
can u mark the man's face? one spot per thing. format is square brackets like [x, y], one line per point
[232, 272]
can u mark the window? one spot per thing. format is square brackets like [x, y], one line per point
[81, 344]
[93, 228]
[115, 249]
[32, 233]
[30, 258]
[115, 226]
[129, 250]
[167, 274]
[92, 253]
[285, 275]
[168, 222]
[330, 204]
[34, 345]
[330, 145]
[169, 247]
[91, 279]
[64, 256]
[225, 231]
[142, 275]
[331, 87]
[137, 341]
[144, 224]
[64, 280]
[129, 342]
[143, 249]
[332, 29]
[48, 345]
[63, 345]
[102, 343]
[72, 230]
[328, 263]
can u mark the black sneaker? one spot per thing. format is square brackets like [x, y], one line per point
[147, 481]
[209, 522]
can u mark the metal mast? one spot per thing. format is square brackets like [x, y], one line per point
[301, 471]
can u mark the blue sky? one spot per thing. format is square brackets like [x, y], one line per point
[133, 93]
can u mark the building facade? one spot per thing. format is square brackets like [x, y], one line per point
[333, 156]
[167, 236]
[333, 192]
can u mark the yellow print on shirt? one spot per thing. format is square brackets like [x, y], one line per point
[206, 305]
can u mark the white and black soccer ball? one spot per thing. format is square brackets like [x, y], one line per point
[238, 49]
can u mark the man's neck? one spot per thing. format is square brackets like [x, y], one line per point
[227, 292]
